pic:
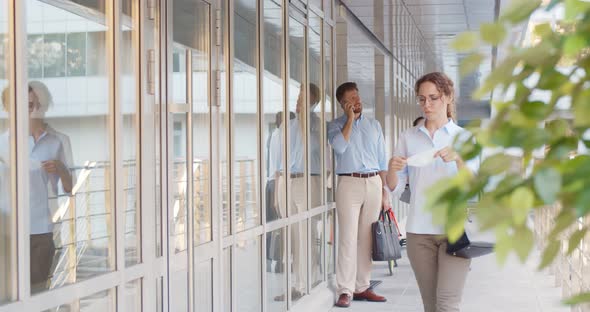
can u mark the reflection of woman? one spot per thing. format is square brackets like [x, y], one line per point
[440, 277]
[5, 215]
[49, 176]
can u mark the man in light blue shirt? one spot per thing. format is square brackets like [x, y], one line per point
[361, 165]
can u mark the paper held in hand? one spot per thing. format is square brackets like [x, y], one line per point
[422, 159]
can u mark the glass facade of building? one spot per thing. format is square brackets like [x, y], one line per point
[172, 155]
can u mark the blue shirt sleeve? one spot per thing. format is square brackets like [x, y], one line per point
[335, 137]
[382, 157]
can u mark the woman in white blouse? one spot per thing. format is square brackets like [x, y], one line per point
[441, 277]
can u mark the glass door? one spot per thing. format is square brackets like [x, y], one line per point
[190, 215]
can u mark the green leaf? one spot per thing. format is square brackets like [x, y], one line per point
[577, 299]
[543, 30]
[575, 8]
[558, 128]
[575, 240]
[562, 147]
[583, 203]
[538, 55]
[562, 222]
[470, 64]
[547, 183]
[549, 254]
[574, 44]
[493, 33]
[524, 241]
[551, 79]
[519, 10]
[465, 42]
[535, 110]
[503, 246]
[496, 164]
[581, 107]
[521, 202]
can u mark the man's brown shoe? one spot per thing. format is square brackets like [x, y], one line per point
[369, 295]
[343, 301]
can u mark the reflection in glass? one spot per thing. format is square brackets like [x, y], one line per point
[245, 109]
[248, 276]
[328, 111]
[103, 301]
[133, 296]
[127, 85]
[330, 242]
[314, 111]
[7, 241]
[276, 277]
[204, 286]
[201, 133]
[70, 170]
[299, 260]
[296, 159]
[317, 256]
[272, 107]
[178, 233]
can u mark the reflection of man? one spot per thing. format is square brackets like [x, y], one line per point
[361, 165]
[297, 179]
[49, 175]
[273, 165]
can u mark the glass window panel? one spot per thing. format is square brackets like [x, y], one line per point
[54, 54]
[317, 250]
[35, 55]
[276, 277]
[248, 276]
[223, 129]
[76, 54]
[127, 85]
[330, 242]
[227, 278]
[298, 260]
[204, 286]
[314, 111]
[316, 3]
[101, 301]
[178, 233]
[159, 294]
[272, 107]
[201, 126]
[179, 60]
[245, 110]
[133, 296]
[70, 171]
[7, 215]
[178, 292]
[328, 112]
[328, 8]
[296, 159]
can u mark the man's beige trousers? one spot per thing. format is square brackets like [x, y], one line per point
[440, 277]
[358, 202]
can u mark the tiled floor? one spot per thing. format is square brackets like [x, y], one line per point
[490, 288]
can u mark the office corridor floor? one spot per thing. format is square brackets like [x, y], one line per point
[490, 288]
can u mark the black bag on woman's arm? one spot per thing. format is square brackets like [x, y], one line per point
[386, 246]
[472, 243]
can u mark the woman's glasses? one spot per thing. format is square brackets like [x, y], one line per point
[422, 100]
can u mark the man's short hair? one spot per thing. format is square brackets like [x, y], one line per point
[343, 88]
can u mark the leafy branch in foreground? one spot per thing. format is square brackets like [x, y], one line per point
[542, 103]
